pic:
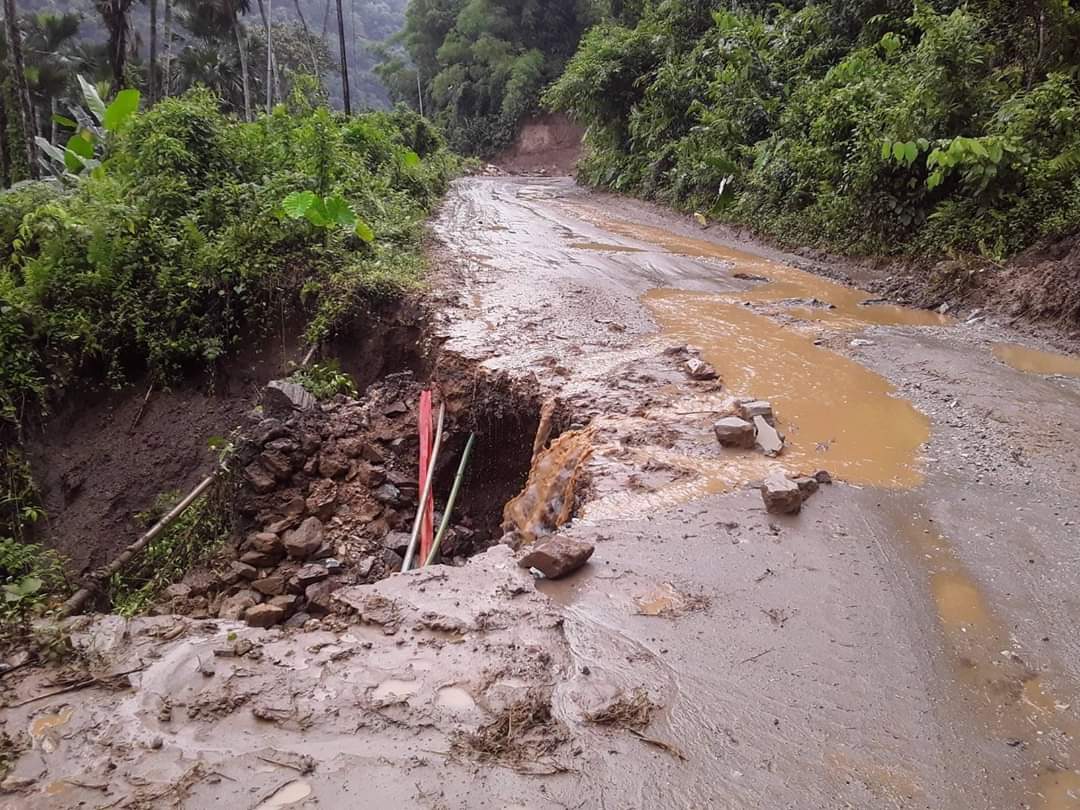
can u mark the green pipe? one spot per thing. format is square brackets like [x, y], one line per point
[452, 499]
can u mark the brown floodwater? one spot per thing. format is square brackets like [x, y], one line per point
[1036, 361]
[836, 414]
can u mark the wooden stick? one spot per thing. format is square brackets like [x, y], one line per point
[76, 602]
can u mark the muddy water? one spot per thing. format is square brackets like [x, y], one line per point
[1035, 361]
[836, 413]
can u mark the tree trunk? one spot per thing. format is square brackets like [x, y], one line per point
[22, 90]
[115, 12]
[52, 118]
[153, 84]
[272, 79]
[244, 78]
[307, 32]
[344, 60]
[5, 147]
[167, 78]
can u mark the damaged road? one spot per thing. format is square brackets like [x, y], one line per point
[905, 638]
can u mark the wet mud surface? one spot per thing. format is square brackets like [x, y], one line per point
[906, 641]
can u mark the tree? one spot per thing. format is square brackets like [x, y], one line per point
[22, 90]
[114, 13]
[51, 61]
[344, 60]
[153, 80]
[213, 21]
[166, 80]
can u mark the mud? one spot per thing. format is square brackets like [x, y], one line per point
[908, 640]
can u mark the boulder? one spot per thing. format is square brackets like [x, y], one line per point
[267, 430]
[732, 431]
[295, 507]
[288, 602]
[276, 463]
[332, 464]
[281, 398]
[767, 437]
[698, 369]
[244, 571]
[397, 542]
[807, 485]
[392, 560]
[823, 477]
[305, 539]
[310, 574]
[264, 615]
[178, 591]
[318, 595]
[259, 559]
[266, 543]
[782, 496]
[557, 557]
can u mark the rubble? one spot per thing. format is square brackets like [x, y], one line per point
[282, 397]
[698, 369]
[749, 408]
[557, 557]
[266, 615]
[304, 541]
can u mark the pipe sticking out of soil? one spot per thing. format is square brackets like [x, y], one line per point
[426, 493]
[449, 509]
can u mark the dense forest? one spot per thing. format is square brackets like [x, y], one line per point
[482, 64]
[859, 125]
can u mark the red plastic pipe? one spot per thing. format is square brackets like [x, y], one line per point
[427, 528]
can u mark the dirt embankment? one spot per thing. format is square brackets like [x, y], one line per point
[547, 144]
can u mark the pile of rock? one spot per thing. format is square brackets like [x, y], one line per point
[754, 425]
[328, 496]
[691, 362]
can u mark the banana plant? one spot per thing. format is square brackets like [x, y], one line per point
[89, 127]
[326, 213]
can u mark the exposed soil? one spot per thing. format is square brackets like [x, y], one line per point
[547, 145]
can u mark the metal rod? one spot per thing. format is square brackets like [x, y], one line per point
[411, 552]
[452, 499]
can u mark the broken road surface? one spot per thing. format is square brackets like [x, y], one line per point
[906, 640]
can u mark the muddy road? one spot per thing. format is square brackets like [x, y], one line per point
[907, 641]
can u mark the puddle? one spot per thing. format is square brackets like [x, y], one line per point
[395, 689]
[959, 603]
[837, 414]
[455, 699]
[42, 725]
[547, 502]
[285, 795]
[1059, 790]
[784, 283]
[1035, 361]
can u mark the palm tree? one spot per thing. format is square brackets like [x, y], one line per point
[167, 78]
[18, 73]
[344, 60]
[211, 19]
[51, 60]
[153, 82]
[114, 13]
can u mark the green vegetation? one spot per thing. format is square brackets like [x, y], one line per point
[483, 63]
[857, 125]
[325, 380]
[192, 539]
[31, 579]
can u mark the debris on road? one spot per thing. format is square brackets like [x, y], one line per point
[750, 408]
[782, 496]
[698, 369]
[767, 437]
[558, 557]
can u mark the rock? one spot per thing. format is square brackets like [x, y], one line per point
[396, 409]
[318, 595]
[270, 586]
[731, 431]
[351, 447]
[859, 342]
[298, 620]
[823, 477]
[332, 464]
[264, 615]
[392, 560]
[233, 607]
[178, 591]
[397, 542]
[267, 543]
[698, 369]
[310, 574]
[387, 493]
[295, 507]
[279, 526]
[373, 453]
[244, 571]
[267, 430]
[557, 557]
[305, 540]
[200, 582]
[288, 602]
[782, 496]
[807, 485]
[748, 409]
[767, 437]
[281, 398]
[334, 566]
[276, 463]
[261, 481]
[749, 276]
[363, 567]
[368, 475]
[323, 498]
[258, 559]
